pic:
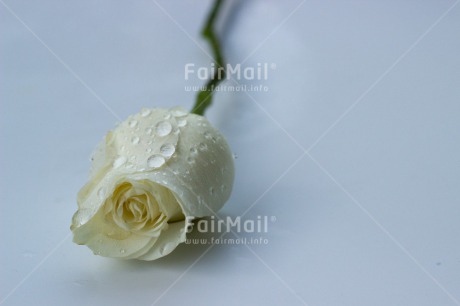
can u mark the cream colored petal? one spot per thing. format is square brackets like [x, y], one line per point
[106, 239]
[202, 171]
[167, 242]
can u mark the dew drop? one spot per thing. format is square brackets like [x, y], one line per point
[202, 146]
[178, 112]
[155, 161]
[168, 248]
[211, 190]
[146, 112]
[193, 150]
[167, 116]
[163, 128]
[181, 122]
[148, 130]
[190, 160]
[81, 216]
[122, 251]
[223, 188]
[207, 135]
[133, 123]
[119, 161]
[167, 149]
[101, 193]
[148, 150]
[135, 140]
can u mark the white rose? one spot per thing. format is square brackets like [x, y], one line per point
[151, 174]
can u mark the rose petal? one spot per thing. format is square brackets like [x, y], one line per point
[167, 241]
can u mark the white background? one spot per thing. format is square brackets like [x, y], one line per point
[369, 215]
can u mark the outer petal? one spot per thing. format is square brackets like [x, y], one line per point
[201, 173]
[199, 170]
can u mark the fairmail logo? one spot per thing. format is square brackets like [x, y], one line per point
[239, 225]
[259, 72]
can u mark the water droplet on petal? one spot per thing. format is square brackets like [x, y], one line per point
[211, 190]
[156, 161]
[178, 112]
[167, 116]
[193, 150]
[176, 131]
[133, 123]
[167, 149]
[223, 188]
[101, 193]
[122, 251]
[181, 122]
[167, 248]
[81, 216]
[202, 146]
[146, 112]
[135, 140]
[190, 160]
[163, 128]
[119, 161]
[148, 130]
[148, 150]
[207, 135]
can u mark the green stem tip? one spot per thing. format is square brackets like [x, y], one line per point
[205, 95]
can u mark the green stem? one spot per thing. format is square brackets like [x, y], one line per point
[204, 96]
